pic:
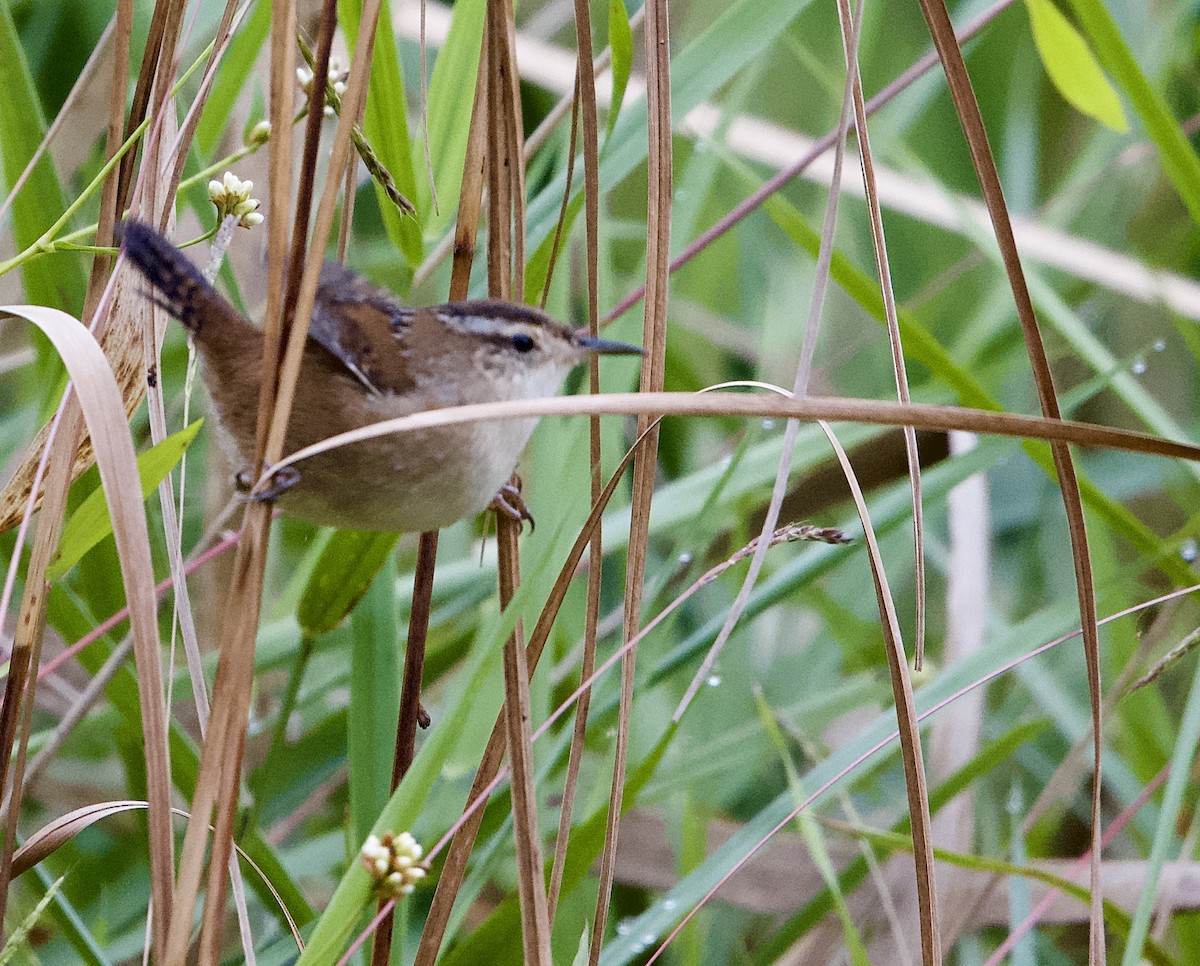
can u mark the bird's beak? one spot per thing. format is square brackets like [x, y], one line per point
[608, 347]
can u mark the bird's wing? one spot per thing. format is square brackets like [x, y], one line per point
[357, 323]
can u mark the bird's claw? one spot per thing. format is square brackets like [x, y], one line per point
[508, 502]
[281, 480]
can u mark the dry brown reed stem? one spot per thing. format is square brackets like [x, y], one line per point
[296, 337]
[849, 29]
[454, 868]
[585, 90]
[506, 279]
[465, 230]
[187, 132]
[535, 918]
[409, 716]
[658, 241]
[967, 108]
[221, 759]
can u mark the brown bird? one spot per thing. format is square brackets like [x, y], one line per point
[367, 359]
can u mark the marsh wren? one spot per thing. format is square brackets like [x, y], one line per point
[367, 359]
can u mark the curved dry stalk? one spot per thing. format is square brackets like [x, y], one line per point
[808, 348]
[871, 190]
[967, 107]
[906, 715]
[49, 838]
[867, 411]
[103, 411]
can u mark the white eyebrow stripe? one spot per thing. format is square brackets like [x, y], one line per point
[482, 324]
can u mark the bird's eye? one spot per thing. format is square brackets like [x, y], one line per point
[522, 342]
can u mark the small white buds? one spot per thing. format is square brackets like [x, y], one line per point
[231, 195]
[393, 862]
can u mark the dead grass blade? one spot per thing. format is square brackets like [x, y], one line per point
[867, 411]
[965, 104]
[849, 31]
[104, 413]
[49, 838]
[300, 297]
[906, 723]
[804, 366]
[506, 279]
[658, 244]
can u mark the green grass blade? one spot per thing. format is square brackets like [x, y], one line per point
[235, 70]
[374, 703]
[451, 93]
[739, 37]
[1179, 161]
[385, 125]
[55, 282]
[620, 41]
[91, 523]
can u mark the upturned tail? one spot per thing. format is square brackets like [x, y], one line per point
[178, 285]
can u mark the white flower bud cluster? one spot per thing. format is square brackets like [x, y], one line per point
[231, 195]
[393, 862]
[337, 80]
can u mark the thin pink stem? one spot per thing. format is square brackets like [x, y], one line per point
[104, 627]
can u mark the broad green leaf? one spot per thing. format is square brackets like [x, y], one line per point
[57, 280]
[620, 41]
[1179, 161]
[91, 523]
[348, 564]
[538, 263]
[385, 125]
[1072, 66]
[374, 703]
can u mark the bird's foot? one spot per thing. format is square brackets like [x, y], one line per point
[508, 502]
[281, 481]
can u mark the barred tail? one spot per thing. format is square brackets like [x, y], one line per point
[178, 285]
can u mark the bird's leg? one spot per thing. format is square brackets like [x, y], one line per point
[509, 502]
[282, 480]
